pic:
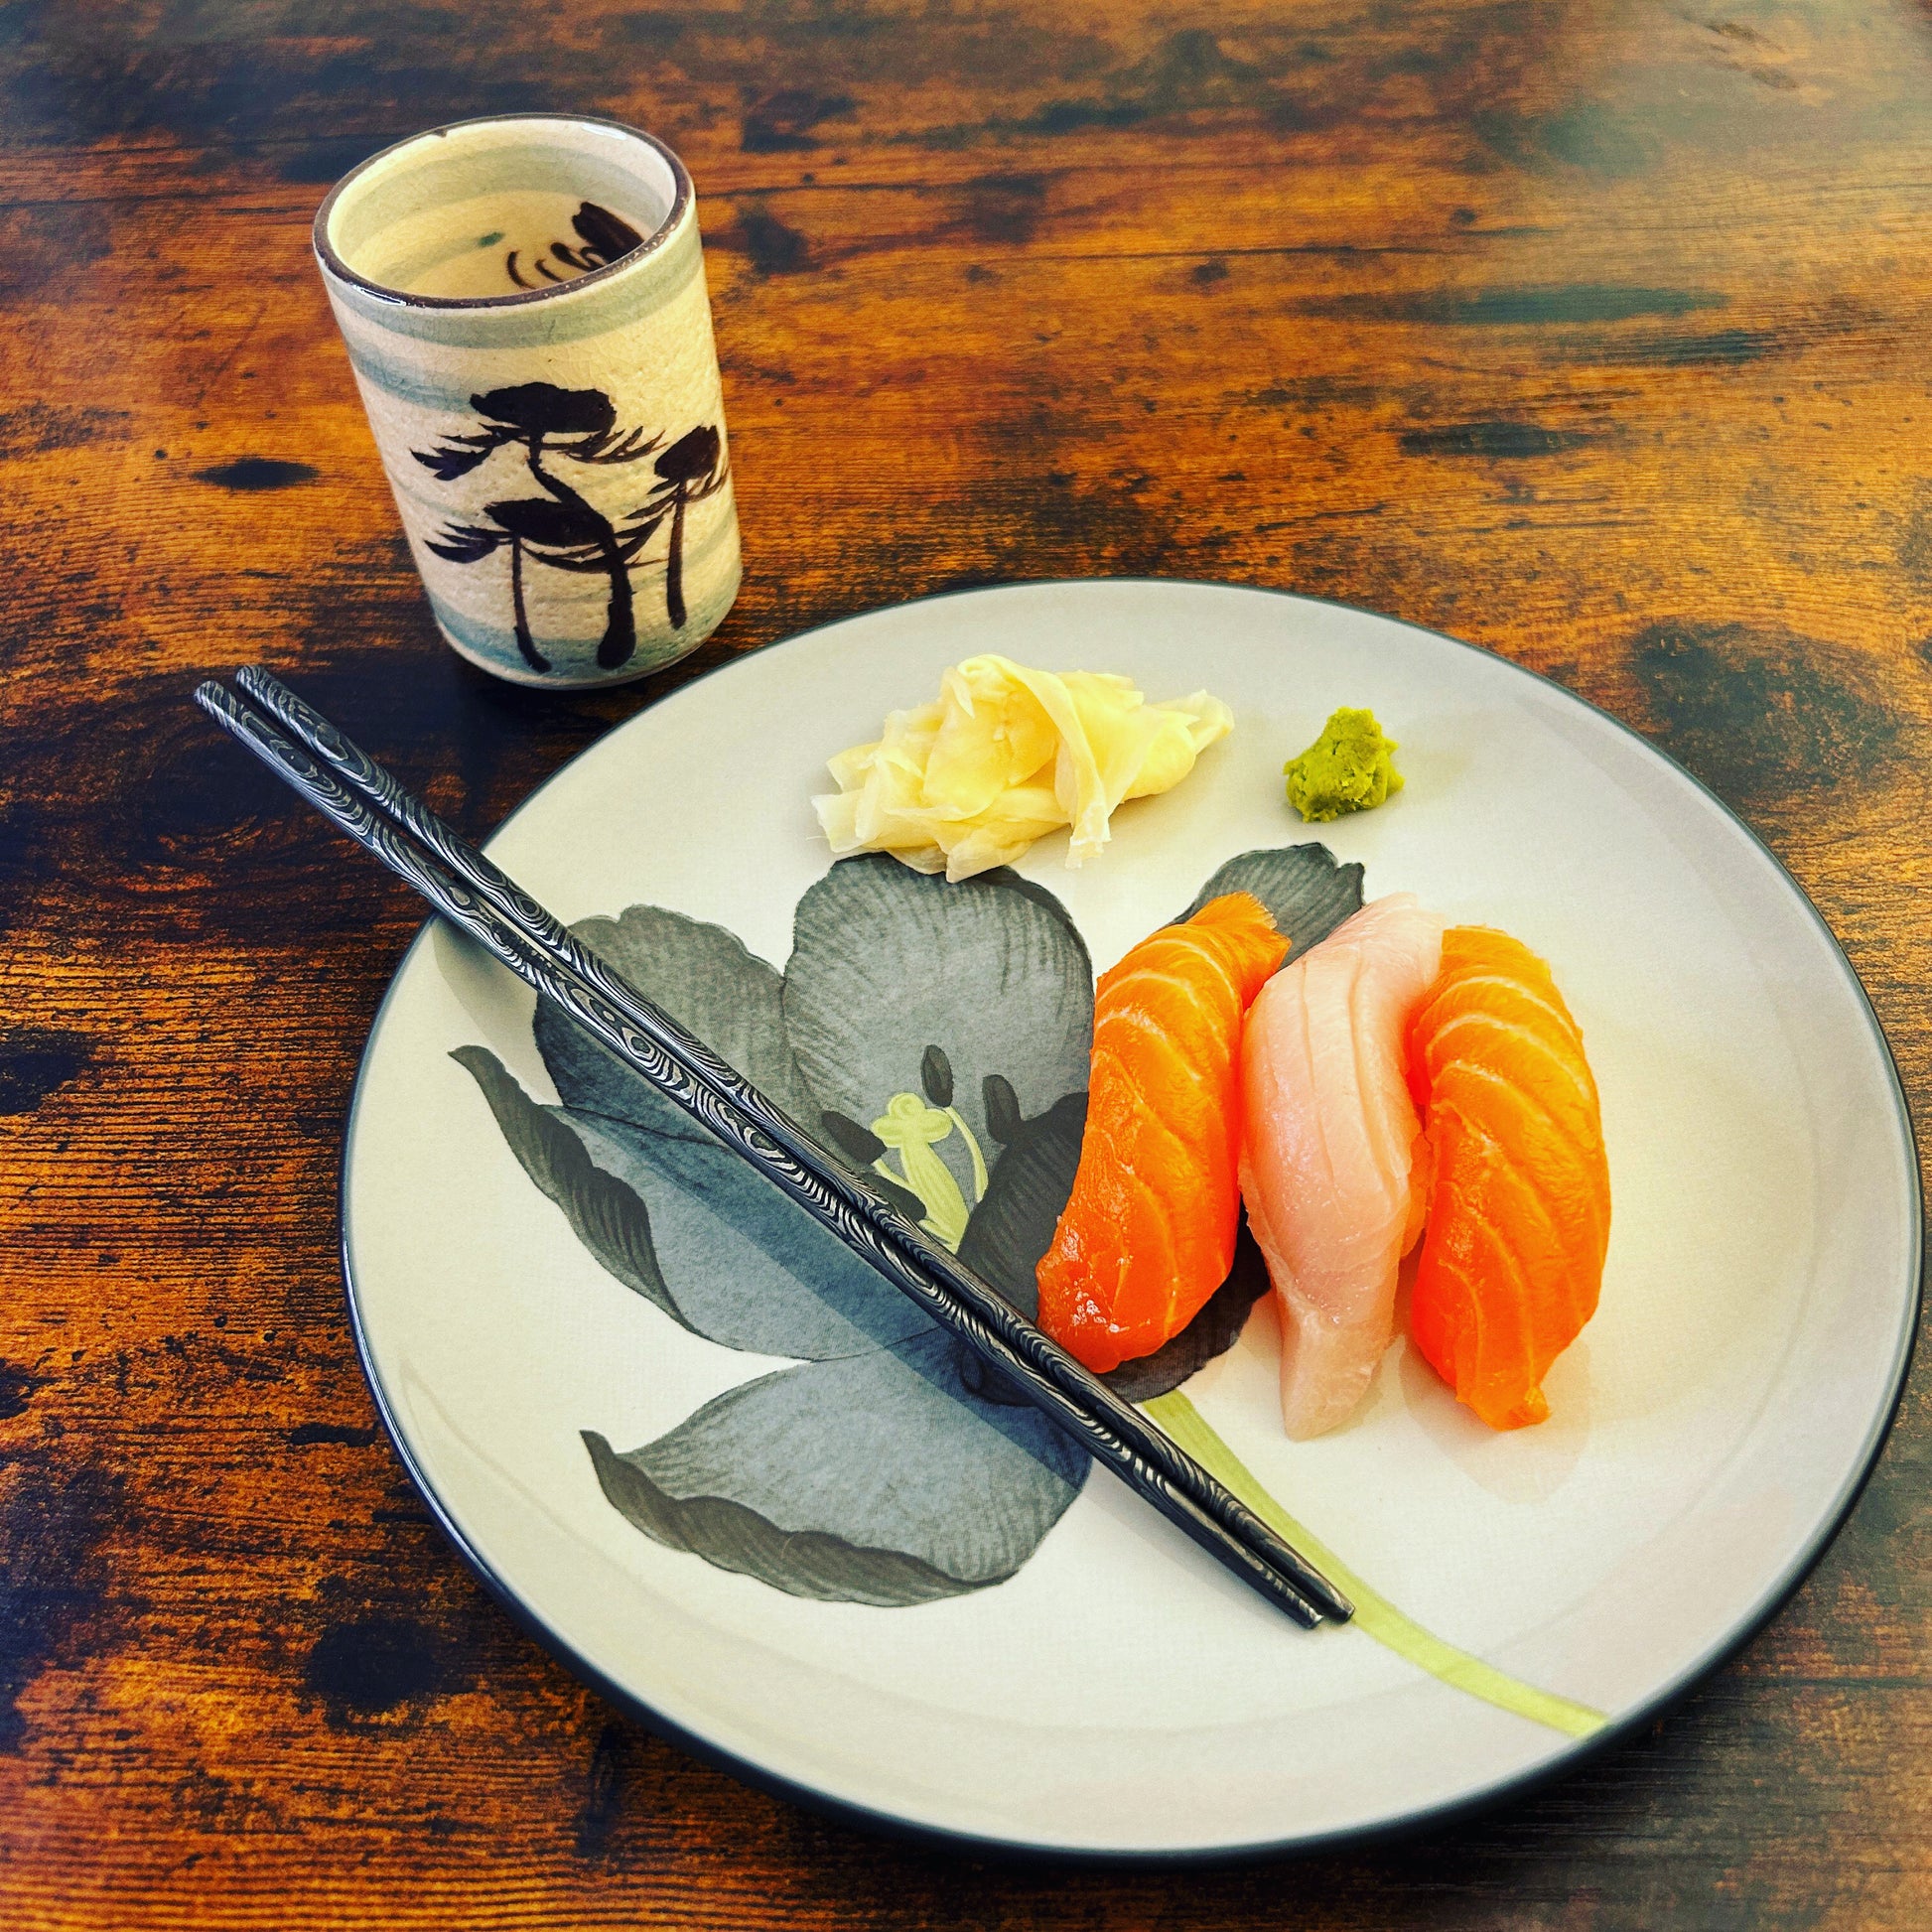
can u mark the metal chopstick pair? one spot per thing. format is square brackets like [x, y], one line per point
[364, 800]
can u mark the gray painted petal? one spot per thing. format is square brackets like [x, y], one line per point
[750, 1268]
[887, 962]
[1301, 884]
[704, 979]
[607, 1216]
[872, 1480]
[686, 1223]
[1027, 1189]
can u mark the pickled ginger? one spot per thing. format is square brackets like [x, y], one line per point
[1006, 756]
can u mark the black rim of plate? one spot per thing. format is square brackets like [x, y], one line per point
[1409, 1823]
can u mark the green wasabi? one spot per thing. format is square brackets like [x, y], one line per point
[1351, 767]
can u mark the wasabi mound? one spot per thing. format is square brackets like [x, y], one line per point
[1351, 767]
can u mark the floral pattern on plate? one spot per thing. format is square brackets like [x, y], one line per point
[939, 1034]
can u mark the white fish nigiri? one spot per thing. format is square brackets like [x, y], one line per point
[1329, 1147]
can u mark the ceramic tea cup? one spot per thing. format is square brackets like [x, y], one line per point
[523, 301]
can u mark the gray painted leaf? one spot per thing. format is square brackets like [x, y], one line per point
[608, 1217]
[750, 1268]
[805, 1563]
[752, 1271]
[911, 1488]
[704, 979]
[887, 962]
[1301, 884]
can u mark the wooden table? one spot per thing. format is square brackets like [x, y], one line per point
[1595, 333]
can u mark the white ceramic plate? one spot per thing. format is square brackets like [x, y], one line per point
[1115, 1693]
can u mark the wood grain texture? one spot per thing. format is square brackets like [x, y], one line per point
[1594, 331]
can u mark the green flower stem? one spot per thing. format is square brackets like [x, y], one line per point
[1375, 1615]
[967, 1135]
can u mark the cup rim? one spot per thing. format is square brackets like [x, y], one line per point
[333, 266]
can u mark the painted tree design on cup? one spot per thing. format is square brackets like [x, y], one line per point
[561, 529]
[691, 470]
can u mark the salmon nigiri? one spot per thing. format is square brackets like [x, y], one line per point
[1329, 1154]
[1520, 1218]
[1147, 1233]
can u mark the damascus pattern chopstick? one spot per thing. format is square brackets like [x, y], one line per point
[369, 805]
